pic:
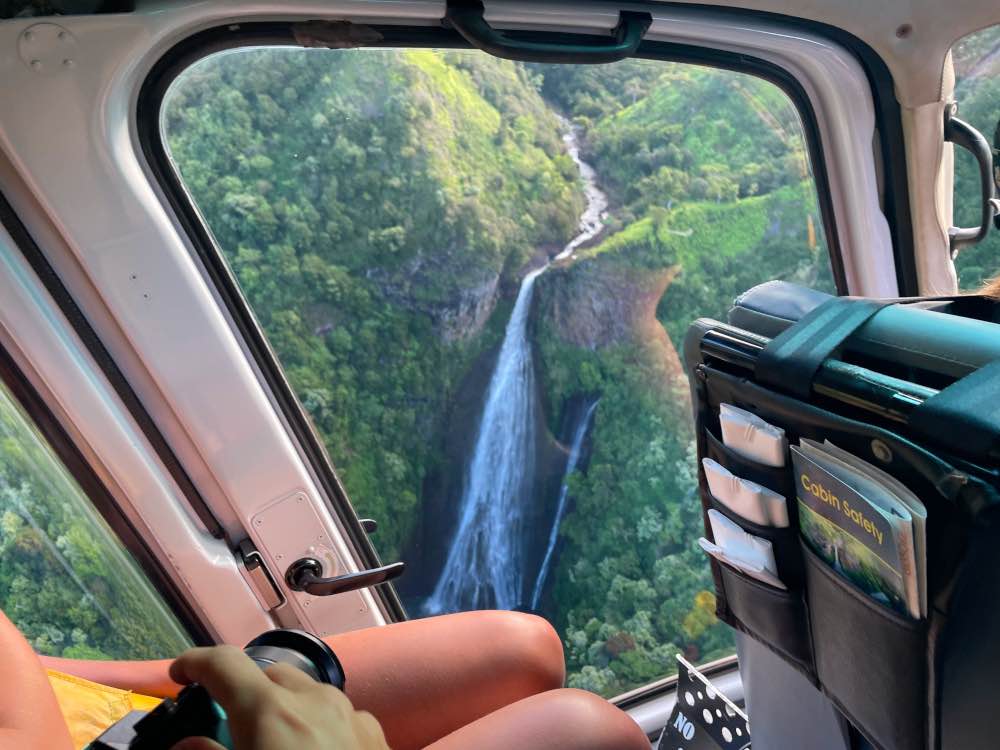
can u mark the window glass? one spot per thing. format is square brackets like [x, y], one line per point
[477, 275]
[65, 579]
[977, 91]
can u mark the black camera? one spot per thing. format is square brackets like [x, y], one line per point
[195, 714]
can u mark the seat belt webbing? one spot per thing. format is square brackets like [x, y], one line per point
[790, 360]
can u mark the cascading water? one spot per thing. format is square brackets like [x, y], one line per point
[592, 218]
[575, 451]
[483, 568]
[485, 564]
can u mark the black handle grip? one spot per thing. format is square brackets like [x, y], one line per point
[467, 18]
[996, 170]
[306, 574]
[963, 134]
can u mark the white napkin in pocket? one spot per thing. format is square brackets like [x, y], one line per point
[748, 499]
[746, 551]
[751, 437]
[754, 572]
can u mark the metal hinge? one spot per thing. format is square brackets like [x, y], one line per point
[256, 574]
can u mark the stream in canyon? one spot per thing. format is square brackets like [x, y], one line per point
[485, 567]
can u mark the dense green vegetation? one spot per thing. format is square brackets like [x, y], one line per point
[977, 91]
[371, 222]
[65, 581]
[710, 191]
[366, 200]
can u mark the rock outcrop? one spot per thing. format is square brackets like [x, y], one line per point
[458, 303]
[595, 302]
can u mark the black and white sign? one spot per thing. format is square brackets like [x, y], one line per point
[703, 718]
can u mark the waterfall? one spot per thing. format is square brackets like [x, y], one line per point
[576, 448]
[485, 563]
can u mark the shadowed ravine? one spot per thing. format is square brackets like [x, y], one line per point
[485, 566]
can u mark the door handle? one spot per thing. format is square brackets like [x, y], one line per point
[467, 17]
[963, 134]
[306, 574]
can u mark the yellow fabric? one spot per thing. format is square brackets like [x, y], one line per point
[89, 708]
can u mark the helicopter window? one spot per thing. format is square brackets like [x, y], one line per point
[977, 91]
[476, 275]
[65, 579]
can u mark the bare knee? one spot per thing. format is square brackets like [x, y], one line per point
[565, 719]
[594, 723]
[531, 646]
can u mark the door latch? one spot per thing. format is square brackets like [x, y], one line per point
[306, 574]
[963, 134]
[256, 574]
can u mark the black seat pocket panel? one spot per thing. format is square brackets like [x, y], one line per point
[776, 618]
[870, 660]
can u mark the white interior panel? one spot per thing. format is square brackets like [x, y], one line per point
[34, 331]
[143, 275]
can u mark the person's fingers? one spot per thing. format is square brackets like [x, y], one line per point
[289, 677]
[177, 667]
[197, 743]
[367, 726]
[228, 674]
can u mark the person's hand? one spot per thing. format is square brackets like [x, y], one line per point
[279, 708]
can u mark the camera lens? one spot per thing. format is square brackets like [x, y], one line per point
[302, 650]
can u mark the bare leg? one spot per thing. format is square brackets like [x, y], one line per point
[424, 679]
[556, 720]
[29, 713]
[421, 679]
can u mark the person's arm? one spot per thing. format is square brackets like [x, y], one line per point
[145, 677]
[29, 713]
[275, 709]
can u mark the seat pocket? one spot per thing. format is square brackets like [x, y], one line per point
[772, 616]
[870, 660]
[784, 542]
[777, 478]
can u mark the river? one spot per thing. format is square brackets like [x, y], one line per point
[485, 566]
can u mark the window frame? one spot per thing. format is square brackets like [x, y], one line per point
[222, 38]
[890, 162]
[61, 369]
[103, 502]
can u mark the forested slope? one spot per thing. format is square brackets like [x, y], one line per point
[66, 583]
[370, 204]
[712, 195]
[401, 193]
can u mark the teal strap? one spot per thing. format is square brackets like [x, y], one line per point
[790, 361]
